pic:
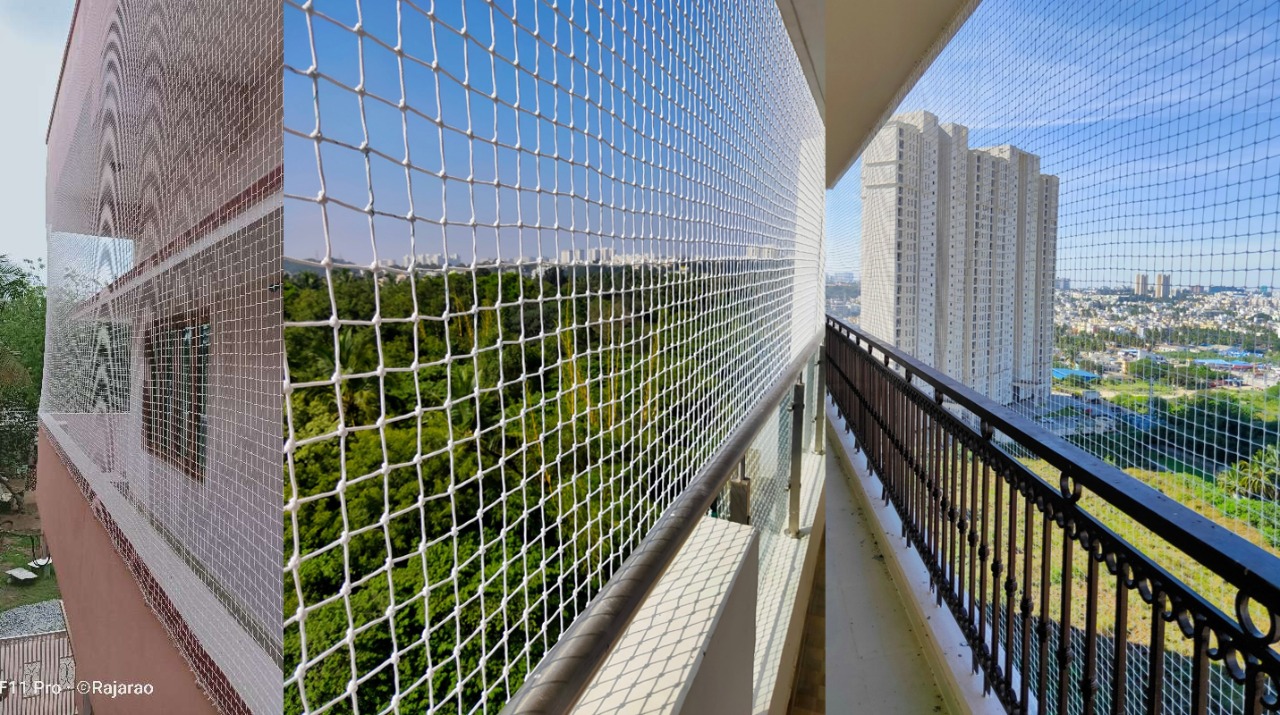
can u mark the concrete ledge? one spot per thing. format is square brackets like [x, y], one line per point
[787, 669]
[691, 647]
[940, 637]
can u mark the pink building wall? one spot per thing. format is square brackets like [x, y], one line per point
[115, 634]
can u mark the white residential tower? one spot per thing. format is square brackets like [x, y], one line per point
[958, 255]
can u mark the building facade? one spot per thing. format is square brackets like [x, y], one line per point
[958, 255]
[159, 466]
[1164, 285]
[1140, 284]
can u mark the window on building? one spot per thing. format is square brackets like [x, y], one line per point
[111, 367]
[175, 425]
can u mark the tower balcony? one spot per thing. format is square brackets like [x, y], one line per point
[1037, 577]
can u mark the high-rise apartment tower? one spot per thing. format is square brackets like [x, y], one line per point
[958, 255]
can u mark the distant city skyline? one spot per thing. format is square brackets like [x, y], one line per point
[1066, 284]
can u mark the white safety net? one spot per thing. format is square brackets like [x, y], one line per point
[162, 379]
[540, 260]
[1074, 212]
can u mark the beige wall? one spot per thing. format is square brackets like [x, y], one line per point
[883, 47]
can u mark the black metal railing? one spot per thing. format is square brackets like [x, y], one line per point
[1021, 533]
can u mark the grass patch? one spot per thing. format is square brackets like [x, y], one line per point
[14, 552]
[1136, 387]
[1265, 407]
[1173, 464]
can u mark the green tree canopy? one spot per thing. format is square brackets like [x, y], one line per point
[22, 306]
[1255, 478]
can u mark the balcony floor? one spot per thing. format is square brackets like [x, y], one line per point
[875, 662]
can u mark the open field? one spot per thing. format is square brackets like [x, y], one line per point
[1238, 515]
[1112, 387]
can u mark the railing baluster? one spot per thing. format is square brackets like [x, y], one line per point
[973, 549]
[910, 428]
[920, 480]
[920, 516]
[952, 511]
[997, 566]
[1025, 605]
[1010, 583]
[892, 400]
[984, 554]
[939, 500]
[922, 486]
[1089, 679]
[1254, 687]
[946, 520]
[1120, 665]
[935, 480]
[885, 464]
[883, 404]
[1200, 666]
[876, 406]
[1064, 633]
[898, 492]
[1155, 656]
[962, 537]
[1042, 628]
[901, 481]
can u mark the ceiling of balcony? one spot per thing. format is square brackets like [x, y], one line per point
[868, 55]
[804, 19]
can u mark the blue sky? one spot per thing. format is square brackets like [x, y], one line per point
[1160, 118]
[32, 36]
[590, 130]
[458, 97]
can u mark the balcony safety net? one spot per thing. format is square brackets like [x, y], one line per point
[1074, 212]
[163, 349]
[541, 259]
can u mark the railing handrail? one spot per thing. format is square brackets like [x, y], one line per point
[1229, 555]
[563, 675]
